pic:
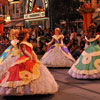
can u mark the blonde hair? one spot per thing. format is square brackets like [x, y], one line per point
[12, 32]
[17, 31]
[60, 33]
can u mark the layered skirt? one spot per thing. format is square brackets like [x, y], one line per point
[88, 64]
[58, 56]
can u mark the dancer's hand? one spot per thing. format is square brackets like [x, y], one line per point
[35, 57]
[30, 58]
[47, 44]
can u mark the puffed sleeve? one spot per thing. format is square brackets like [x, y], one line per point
[53, 36]
[62, 36]
[13, 42]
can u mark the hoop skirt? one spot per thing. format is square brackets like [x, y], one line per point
[5, 61]
[58, 55]
[27, 77]
[88, 64]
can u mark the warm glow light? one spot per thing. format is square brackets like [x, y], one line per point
[34, 15]
[37, 19]
[14, 2]
[7, 19]
[81, 0]
[10, 0]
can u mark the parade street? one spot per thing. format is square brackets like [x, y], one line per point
[69, 89]
[49, 49]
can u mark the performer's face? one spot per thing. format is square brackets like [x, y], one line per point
[57, 31]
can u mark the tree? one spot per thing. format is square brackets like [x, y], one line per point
[64, 10]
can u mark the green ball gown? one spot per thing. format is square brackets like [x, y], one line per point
[88, 64]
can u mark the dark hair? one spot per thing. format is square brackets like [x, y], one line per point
[98, 28]
[22, 34]
[91, 31]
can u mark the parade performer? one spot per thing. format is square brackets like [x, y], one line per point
[11, 53]
[87, 66]
[58, 55]
[27, 75]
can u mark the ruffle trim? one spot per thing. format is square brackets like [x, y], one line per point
[92, 39]
[83, 76]
[28, 44]
[85, 72]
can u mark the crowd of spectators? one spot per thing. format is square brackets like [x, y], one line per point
[4, 41]
[73, 39]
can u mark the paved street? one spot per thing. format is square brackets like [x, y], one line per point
[60, 27]
[69, 89]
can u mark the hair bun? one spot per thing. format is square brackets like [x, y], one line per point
[22, 34]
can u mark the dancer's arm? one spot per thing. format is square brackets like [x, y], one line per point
[34, 55]
[26, 52]
[62, 40]
[50, 42]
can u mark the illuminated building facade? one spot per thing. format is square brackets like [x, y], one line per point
[27, 13]
[35, 13]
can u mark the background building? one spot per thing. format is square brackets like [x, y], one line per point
[47, 13]
[36, 13]
[27, 13]
[15, 10]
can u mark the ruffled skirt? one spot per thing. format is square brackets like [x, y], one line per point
[57, 58]
[45, 84]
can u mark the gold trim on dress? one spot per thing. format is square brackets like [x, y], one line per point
[57, 38]
[26, 77]
[85, 72]
[28, 44]
[92, 39]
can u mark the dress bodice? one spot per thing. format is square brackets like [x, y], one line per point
[15, 51]
[14, 43]
[28, 47]
[93, 41]
[57, 40]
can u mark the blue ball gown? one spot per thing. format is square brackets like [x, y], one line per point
[7, 61]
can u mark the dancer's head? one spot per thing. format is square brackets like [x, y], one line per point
[91, 31]
[58, 31]
[23, 34]
[12, 34]
[16, 33]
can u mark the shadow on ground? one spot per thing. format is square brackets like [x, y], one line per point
[29, 97]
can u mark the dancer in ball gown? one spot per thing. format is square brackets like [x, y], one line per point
[87, 66]
[11, 53]
[27, 75]
[57, 55]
